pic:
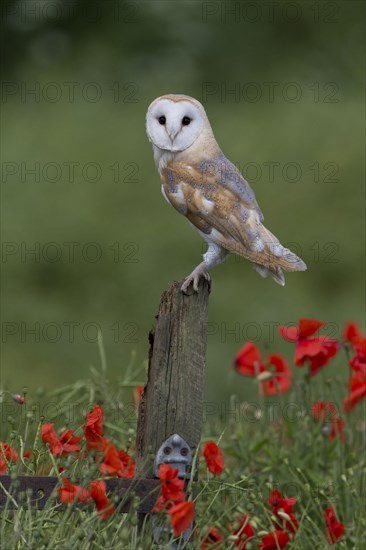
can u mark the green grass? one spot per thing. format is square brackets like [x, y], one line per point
[173, 48]
[267, 443]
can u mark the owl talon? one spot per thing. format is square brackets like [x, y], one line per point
[194, 278]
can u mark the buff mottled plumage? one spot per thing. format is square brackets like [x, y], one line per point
[203, 185]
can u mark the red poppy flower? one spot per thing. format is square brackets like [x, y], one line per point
[171, 486]
[249, 363]
[244, 532]
[326, 413]
[214, 458]
[277, 502]
[288, 521]
[273, 541]
[93, 428]
[357, 392]
[50, 436]
[161, 503]
[335, 529]
[167, 473]
[128, 464]
[281, 379]
[7, 455]
[19, 398]
[103, 504]
[181, 516]
[305, 328]
[27, 454]
[117, 463]
[248, 360]
[60, 446]
[214, 538]
[137, 392]
[317, 352]
[358, 362]
[69, 442]
[352, 332]
[337, 428]
[70, 492]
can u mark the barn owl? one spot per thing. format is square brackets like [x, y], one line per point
[203, 185]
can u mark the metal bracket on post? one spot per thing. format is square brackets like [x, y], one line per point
[172, 401]
[176, 452]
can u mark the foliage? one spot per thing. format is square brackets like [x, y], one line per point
[277, 465]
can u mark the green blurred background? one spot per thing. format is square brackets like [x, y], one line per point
[106, 243]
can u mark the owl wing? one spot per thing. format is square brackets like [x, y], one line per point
[229, 177]
[226, 211]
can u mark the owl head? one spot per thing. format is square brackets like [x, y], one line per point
[174, 122]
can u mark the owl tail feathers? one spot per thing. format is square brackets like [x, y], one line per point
[275, 272]
[277, 256]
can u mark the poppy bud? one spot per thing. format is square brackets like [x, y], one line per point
[18, 398]
[265, 375]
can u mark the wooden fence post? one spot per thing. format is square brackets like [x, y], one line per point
[172, 400]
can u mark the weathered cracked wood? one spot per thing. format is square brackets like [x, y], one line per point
[172, 400]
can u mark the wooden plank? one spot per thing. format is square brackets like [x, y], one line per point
[172, 400]
[41, 488]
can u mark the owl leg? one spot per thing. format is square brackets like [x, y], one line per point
[215, 255]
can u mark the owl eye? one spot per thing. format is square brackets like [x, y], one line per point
[162, 120]
[186, 120]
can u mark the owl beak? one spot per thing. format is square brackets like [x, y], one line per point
[172, 133]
